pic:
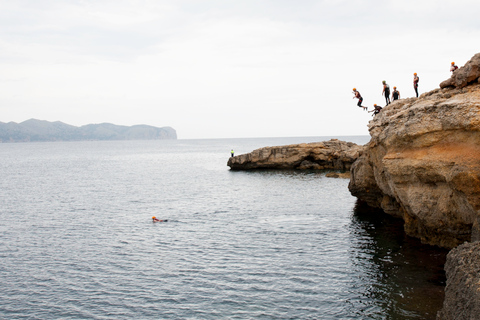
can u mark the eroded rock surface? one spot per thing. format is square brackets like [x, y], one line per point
[330, 155]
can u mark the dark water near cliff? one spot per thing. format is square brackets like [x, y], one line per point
[77, 241]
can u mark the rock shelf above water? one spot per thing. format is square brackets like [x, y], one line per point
[328, 155]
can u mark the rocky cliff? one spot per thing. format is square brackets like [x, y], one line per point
[329, 155]
[423, 164]
[423, 161]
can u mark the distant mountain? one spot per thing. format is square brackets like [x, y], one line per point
[40, 130]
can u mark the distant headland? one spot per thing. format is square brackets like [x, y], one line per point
[34, 130]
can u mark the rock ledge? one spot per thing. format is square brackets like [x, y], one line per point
[328, 155]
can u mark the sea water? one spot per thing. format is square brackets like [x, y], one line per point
[77, 239]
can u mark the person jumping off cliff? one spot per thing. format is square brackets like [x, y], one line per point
[359, 97]
[376, 110]
[395, 94]
[386, 92]
[453, 67]
[232, 154]
[415, 83]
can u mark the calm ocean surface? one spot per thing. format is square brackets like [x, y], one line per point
[77, 241]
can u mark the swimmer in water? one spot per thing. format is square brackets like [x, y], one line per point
[154, 219]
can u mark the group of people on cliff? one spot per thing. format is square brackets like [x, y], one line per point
[395, 94]
[386, 93]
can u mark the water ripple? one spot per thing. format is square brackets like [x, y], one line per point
[77, 241]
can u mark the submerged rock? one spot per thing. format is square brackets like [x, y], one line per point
[341, 175]
[332, 155]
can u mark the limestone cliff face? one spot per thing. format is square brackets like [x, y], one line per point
[333, 154]
[423, 161]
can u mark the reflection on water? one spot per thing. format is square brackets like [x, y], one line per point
[406, 279]
[77, 242]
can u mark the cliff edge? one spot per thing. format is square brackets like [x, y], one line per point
[423, 161]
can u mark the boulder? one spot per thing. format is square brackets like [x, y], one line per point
[465, 75]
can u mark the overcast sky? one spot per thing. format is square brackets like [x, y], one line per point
[225, 68]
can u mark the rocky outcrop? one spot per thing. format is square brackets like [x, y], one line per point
[330, 155]
[468, 74]
[462, 293]
[423, 162]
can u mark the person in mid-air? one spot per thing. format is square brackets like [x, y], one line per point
[386, 92]
[395, 94]
[453, 67]
[232, 153]
[415, 83]
[154, 219]
[376, 110]
[359, 97]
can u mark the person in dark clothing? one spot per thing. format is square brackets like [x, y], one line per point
[395, 94]
[415, 83]
[232, 154]
[376, 110]
[359, 97]
[453, 67]
[386, 92]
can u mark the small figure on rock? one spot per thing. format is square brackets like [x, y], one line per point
[376, 110]
[453, 67]
[386, 92]
[359, 97]
[232, 154]
[395, 94]
[415, 83]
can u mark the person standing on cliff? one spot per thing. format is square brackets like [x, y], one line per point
[232, 153]
[415, 83]
[359, 97]
[395, 94]
[386, 92]
[453, 67]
